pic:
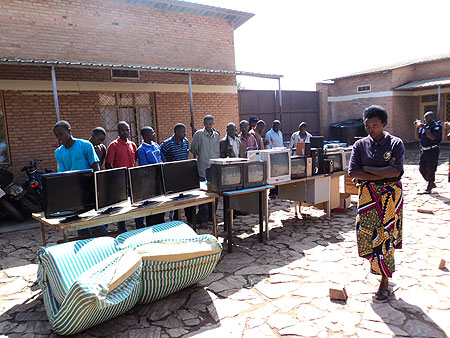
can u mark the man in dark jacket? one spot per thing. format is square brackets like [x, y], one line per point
[230, 145]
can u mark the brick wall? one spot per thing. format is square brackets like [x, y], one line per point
[105, 30]
[406, 110]
[30, 120]
[173, 108]
[15, 72]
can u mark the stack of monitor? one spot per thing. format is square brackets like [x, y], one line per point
[74, 192]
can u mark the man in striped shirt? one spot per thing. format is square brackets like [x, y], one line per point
[176, 148]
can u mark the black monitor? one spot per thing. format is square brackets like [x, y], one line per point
[110, 188]
[298, 166]
[68, 193]
[338, 164]
[180, 176]
[145, 182]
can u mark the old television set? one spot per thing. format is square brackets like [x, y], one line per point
[225, 176]
[145, 182]
[68, 193]
[338, 158]
[254, 174]
[110, 189]
[348, 153]
[298, 166]
[278, 163]
[179, 177]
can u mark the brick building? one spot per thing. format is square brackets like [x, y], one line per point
[407, 90]
[113, 60]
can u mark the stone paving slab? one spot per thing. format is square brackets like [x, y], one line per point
[279, 288]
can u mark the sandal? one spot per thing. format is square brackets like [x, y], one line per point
[382, 294]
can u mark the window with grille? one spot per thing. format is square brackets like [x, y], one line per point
[4, 144]
[364, 88]
[135, 108]
[429, 98]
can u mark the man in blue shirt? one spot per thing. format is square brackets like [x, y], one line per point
[274, 137]
[75, 154]
[149, 152]
[430, 135]
[176, 148]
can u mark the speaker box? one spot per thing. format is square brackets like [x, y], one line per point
[317, 161]
[328, 167]
[308, 166]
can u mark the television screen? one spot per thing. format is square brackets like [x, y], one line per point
[110, 187]
[255, 172]
[279, 164]
[145, 182]
[68, 193]
[180, 176]
[231, 175]
[298, 166]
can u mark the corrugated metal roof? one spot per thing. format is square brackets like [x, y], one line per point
[439, 81]
[114, 65]
[397, 65]
[235, 18]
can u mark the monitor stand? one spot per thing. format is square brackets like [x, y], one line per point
[182, 196]
[143, 204]
[110, 210]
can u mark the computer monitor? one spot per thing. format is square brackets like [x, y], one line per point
[298, 166]
[68, 193]
[338, 160]
[146, 182]
[180, 176]
[110, 189]
[254, 174]
[278, 163]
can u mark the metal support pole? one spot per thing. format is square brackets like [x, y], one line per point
[438, 113]
[191, 101]
[55, 94]
[280, 98]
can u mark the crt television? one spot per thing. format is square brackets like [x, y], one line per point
[110, 189]
[68, 193]
[254, 174]
[341, 159]
[225, 177]
[180, 176]
[146, 182]
[278, 163]
[298, 166]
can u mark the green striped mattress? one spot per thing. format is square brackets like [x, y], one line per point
[83, 283]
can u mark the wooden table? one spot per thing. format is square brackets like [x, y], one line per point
[252, 200]
[93, 218]
[315, 190]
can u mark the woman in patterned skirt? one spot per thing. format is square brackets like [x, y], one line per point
[377, 165]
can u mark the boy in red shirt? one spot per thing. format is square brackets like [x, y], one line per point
[121, 153]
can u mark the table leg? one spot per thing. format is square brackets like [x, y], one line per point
[194, 218]
[65, 236]
[43, 238]
[229, 222]
[295, 209]
[266, 209]
[214, 218]
[261, 216]
[328, 209]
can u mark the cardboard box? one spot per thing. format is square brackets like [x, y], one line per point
[350, 187]
[345, 201]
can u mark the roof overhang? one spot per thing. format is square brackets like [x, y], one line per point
[145, 67]
[234, 18]
[424, 84]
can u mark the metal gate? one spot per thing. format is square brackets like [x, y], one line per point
[297, 106]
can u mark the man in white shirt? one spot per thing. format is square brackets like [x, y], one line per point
[274, 137]
[300, 136]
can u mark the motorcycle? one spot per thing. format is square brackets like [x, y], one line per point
[10, 194]
[33, 183]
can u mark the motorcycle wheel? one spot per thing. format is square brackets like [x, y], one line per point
[11, 211]
[30, 204]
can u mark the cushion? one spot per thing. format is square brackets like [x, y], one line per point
[62, 264]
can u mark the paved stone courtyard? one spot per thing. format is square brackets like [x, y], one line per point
[280, 288]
